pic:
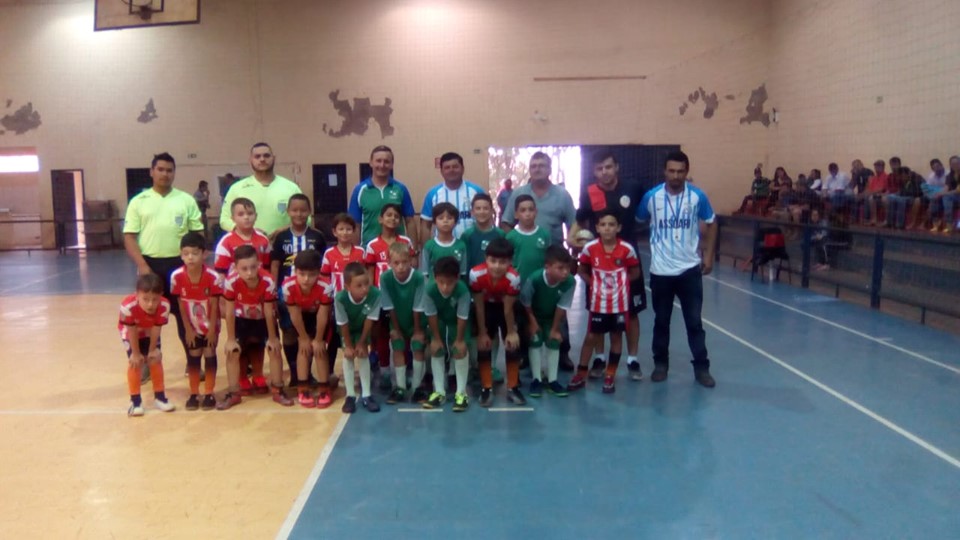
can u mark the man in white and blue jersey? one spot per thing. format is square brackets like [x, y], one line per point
[675, 210]
[454, 190]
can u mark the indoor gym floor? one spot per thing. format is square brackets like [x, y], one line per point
[828, 421]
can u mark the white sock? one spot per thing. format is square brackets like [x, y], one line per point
[364, 376]
[419, 366]
[439, 382]
[536, 354]
[553, 364]
[401, 376]
[631, 360]
[462, 367]
[349, 380]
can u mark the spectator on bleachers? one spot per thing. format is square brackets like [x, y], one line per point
[909, 193]
[785, 198]
[859, 176]
[947, 200]
[814, 181]
[779, 177]
[759, 194]
[806, 205]
[874, 193]
[837, 189]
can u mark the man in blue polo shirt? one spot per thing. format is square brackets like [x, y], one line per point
[675, 210]
[372, 193]
[454, 190]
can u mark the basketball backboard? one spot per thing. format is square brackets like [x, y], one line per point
[117, 14]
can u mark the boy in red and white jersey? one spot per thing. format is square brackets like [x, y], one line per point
[142, 315]
[251, 323]
[198, 289]
[495, 285]
[308, 297]
[337, 257]
[608, 264]
[244, 214]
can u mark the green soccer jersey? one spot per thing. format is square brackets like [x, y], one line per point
[544, 298]
[403, 297]
[433, 251]
[476, 242]
[354, 314]
[529, 250]
[446, 308]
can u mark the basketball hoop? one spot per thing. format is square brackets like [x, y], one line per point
[144, 8]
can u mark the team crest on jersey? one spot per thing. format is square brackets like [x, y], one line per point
[206, 291]
[282, 206]
[625, 201]
[178, 220]
[618, 262]
[540, 243]
[366, 309]
[483, 245]
[458, 254]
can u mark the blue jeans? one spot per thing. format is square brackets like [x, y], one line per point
[688, 288]
[897, 210]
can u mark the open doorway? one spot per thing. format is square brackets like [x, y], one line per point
[68, 215]
[513, 163]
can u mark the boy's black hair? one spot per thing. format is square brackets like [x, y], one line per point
[499, 248]
[244, 252]
[388, 206]
[446, 208]
[343, 217]
[522, 199]
[446, 267]
[556, 254]
[308, 259]
[298, 197]
[351, 271]
[608, 212]
[244, 202]
[150, 283]
[481, 197]
[193, 239]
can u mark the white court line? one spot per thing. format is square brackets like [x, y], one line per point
[151, 411]
[41, 280]
[882, 341]
[411, 409]
[308, 486]
[883, 421]
[510, 409]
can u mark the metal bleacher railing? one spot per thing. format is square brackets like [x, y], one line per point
[917, 269]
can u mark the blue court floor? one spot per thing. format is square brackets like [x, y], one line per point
[828, 421]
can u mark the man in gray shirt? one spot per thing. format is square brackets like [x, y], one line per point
[554, 205]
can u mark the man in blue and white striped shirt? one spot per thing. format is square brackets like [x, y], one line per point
[675, 210]
[454, 190]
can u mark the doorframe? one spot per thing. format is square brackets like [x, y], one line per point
[78, 199]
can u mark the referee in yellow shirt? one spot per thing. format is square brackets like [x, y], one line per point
[156, 220]
[268, 191]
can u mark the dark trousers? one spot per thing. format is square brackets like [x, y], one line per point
[163, 267]
[688, 288]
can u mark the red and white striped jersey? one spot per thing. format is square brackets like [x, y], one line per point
[320, 294]
[132, 315]
[610, 284]
[223, 259]
[378, 254]
[196, 297]
[248, 302]
[494, 290]
[334, 262]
